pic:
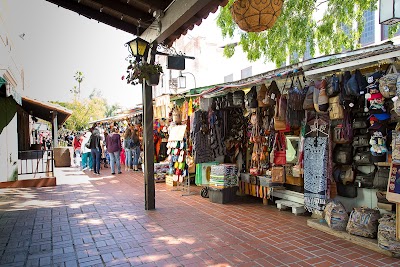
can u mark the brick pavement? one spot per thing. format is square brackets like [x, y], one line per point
[101, 221]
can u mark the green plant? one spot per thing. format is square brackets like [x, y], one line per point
[137, 71]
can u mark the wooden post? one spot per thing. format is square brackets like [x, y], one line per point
[55, 129]
[148, 142]
[398, 221]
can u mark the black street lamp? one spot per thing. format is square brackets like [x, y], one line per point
[138, 48]
[389, 11]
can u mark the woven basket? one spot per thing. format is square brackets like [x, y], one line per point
[256, 15]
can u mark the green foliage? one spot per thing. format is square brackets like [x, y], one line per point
[323, 25]
[137, 71]
[84, 111]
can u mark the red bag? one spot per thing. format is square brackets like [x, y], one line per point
[280, 157]
[280, 149]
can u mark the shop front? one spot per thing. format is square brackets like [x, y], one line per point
[308, 134]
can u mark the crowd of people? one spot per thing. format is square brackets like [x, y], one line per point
[100, 148]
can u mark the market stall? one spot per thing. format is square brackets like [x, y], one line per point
[309, 133]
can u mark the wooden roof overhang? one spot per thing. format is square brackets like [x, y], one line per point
[139, 17]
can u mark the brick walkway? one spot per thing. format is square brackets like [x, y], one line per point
[102, 222]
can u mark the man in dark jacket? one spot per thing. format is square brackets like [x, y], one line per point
[95, 149]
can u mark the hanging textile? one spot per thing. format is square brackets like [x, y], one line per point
[190, 109]
[185, 109]
[315, 172]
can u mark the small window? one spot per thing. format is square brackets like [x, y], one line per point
[307, 54]
[228, 78]
[385, 32]
[368, 34]
[245, 73]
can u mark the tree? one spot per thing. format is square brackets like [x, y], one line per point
[79, 78]
[92, 108]
[296, 29]
[111, 110]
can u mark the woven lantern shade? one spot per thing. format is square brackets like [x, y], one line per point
[256, 15]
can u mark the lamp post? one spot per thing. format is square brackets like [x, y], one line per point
[139, 49]
[389, 11]
[182, 80]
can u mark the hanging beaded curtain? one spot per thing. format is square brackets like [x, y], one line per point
[256, 15]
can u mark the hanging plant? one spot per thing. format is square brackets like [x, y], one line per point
[137, 71]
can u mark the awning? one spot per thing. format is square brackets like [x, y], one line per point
[44, 110]
[2, 81]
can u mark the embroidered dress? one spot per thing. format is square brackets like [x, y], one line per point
[315, 172]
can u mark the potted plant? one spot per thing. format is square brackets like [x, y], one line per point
[137, 71]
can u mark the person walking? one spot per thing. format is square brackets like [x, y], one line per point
[127, 146]
[95, 148]
[114, 146]
[135, 148]
[87, 162]
[77, 144]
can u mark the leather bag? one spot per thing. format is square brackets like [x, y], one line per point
[261, 96]
[365, 176]
[272, 94]
[343, 174]
[323, 100]
[280, 114]
[278, 174]
[381, 178]
[343, 154]
[362, 157]
[336, 111]
[308, 103]
[349, 191]
[333, 86]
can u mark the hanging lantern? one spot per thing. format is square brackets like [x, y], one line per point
[256, 15]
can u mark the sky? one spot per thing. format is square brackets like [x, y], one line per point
[59, 42]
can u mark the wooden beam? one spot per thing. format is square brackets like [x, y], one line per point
[175, 17]
[154, 4]
[97, 15]
[125, 9]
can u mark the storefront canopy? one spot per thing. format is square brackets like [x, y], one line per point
[44, 110]
[2, 82]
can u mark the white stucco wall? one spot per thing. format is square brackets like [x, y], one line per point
[11, 71]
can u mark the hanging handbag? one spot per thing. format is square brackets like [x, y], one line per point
[280, 150]
[349, 191]
[361, 140]
[238, 98]
[343, 133]
[323, 100]
[336, 111]
[333, 86]
[362, 157]
[296, 95]
[278, 174]
[343, 154]
[381, 178]
[308, 103]
[272, 94]
[261, 96]
[252, 97]
[280, 114]
[365, 176]
[387, 83]
[343, 174]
